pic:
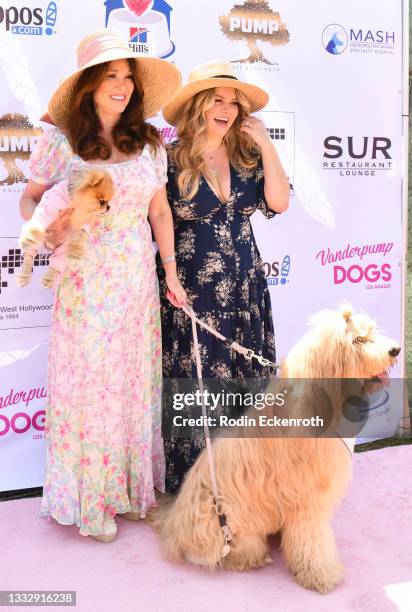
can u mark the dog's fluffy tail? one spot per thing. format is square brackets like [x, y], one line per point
[187, 524]
[157, 514]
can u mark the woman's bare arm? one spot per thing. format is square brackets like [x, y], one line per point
[30, 198]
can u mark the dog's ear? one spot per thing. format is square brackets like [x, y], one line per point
[94, 177]
[347, 311]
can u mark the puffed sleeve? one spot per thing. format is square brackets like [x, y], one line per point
[160, 161]
[50, 159]
[52, 202]
[260, 192]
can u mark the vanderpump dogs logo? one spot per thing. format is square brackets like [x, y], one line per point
[369, 269]
[336, 39]
[167, 132]
[18, 138]
[254, 22]
[15, 416]
[145, 24]
[29, 20]
[357, 155]
[277, 273]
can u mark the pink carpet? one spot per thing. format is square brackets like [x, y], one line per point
[374, 535]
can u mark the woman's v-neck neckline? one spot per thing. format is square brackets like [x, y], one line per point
[231, 173]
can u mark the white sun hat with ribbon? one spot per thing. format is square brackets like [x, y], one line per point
[159, 78]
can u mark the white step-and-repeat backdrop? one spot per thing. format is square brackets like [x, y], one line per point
[334, 74]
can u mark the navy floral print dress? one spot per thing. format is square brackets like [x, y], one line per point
[219, 266]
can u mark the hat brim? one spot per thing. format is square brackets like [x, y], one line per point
[256, 96]
[159, 78]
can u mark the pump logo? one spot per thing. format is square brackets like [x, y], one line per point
[17, 139]
[29, 21]
[144, 24]
[273, 275]
[251, 22]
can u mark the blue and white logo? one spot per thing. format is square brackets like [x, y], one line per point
[29, 21]
[273, 275]
[335, 39]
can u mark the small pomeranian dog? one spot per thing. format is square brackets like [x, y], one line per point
[89, 195]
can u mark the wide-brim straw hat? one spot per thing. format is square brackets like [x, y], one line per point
[159, 78]
[218, 73]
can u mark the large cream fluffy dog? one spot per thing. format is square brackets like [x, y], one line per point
[289, 485]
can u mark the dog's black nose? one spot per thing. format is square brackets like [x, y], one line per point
[394, 352]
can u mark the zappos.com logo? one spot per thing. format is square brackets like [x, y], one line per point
[29, 21]
[336, 39]
[275, 273]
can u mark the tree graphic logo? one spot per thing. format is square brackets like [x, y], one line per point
[17, 138]
[251, 22]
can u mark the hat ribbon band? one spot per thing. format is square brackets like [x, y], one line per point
[91, 52]
[224, 76]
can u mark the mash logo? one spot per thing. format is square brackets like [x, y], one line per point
[336, 39]
[17, 139]
[376, 275]
[145, 24]
[251, 22]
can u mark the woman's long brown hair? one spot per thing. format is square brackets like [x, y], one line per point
[131, 132]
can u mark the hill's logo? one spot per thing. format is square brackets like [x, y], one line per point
[17, 139]
[251, 22]
[145, 24]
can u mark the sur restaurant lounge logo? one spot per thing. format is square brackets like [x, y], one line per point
[251, 22]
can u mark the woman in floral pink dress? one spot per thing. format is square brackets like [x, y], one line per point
[104, 446]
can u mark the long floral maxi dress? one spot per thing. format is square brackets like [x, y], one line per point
[103, 424]
[220, 267]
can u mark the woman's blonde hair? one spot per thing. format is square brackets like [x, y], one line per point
[191, 130]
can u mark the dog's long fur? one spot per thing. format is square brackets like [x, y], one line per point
[90, 191]
[289, 485]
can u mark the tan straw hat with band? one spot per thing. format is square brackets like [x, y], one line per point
[159, 78]
[208, 76]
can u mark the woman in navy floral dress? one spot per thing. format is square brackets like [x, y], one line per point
[221, 170]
